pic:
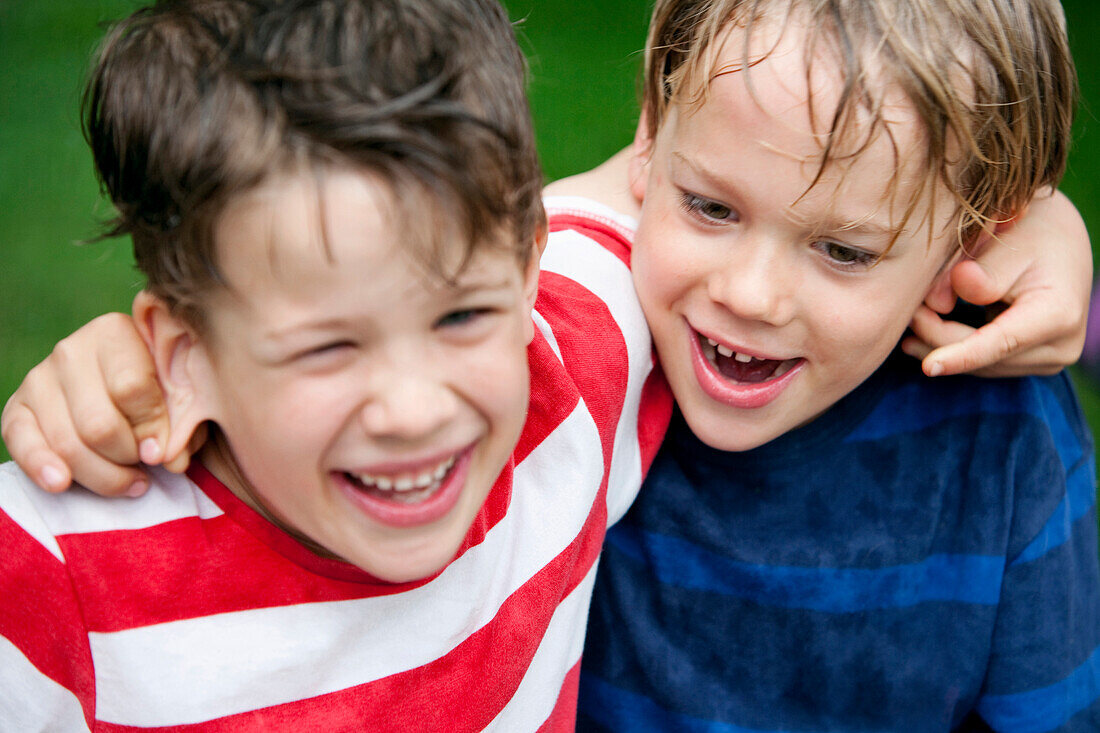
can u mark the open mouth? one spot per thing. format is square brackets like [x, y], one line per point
[405, 488]
[739, 380]
[411, 497]
[743, 367]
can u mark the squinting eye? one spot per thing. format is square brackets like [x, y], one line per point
[458, 318]
[329, 348]
[323, 353]
[705, 208]
[846, 256]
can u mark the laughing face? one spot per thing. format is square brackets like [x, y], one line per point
[365, 405]
[771, 298]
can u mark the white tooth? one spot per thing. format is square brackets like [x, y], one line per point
[712, 342]
[743, 358]
[405, 483]
[725, 350]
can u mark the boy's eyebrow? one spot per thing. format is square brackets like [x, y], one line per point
[465, 285]
[287, 330]
[712, 179]
[865, 225]
[456, 289]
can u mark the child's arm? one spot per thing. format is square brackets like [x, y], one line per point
[1042, 268]
[93, 408]
[90, 412]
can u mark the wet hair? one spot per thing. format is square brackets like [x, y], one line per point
[192, 103]
[992, 82]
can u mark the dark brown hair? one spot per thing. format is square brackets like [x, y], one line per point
[194, 102]
[992, 81]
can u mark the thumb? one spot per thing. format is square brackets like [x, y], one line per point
[149, 418]
[977, 283]
[182, 446]
[997, 262]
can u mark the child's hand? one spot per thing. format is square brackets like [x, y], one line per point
[1042, 269]
[90, 412]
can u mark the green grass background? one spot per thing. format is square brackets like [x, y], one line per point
[584, 60]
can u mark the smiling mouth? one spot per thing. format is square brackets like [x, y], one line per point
[404, 488]
[743, 367]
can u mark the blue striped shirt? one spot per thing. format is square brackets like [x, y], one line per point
[923, 557]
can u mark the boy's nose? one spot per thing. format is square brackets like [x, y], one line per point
[408, 405]
[755, 284]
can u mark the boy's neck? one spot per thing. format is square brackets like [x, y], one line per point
[217, 457]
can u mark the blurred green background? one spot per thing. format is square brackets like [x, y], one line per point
[584, 60]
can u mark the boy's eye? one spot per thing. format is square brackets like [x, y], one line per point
[459, 317]
[323, 353]
[845, 256]
[705, 209]
[331, 347]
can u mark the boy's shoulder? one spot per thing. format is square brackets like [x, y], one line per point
[79, 512]
[1019, 447]
[912, 402]
[585, 274]
[586, 217]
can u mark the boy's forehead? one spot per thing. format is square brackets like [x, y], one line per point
[320, 219]
[302, 252]
[774, 62]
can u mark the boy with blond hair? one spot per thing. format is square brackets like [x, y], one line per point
[828, 540]
[336, 206]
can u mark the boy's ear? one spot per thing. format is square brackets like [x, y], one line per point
[641, 153]
[941, 293]
[531, 278]
[183, 368]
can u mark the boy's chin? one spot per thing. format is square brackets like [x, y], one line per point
[407, 563]
[410, 573]
[737, 434]
[725, 440]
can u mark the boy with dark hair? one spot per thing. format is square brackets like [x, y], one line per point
[827, 540]
[336, 205]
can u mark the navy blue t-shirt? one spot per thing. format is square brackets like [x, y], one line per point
[922, 557]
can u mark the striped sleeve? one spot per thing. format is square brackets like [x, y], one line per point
[1044, 671]
[46, 678]
[626, 393]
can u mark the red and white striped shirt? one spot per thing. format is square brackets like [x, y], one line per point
[185, 610]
